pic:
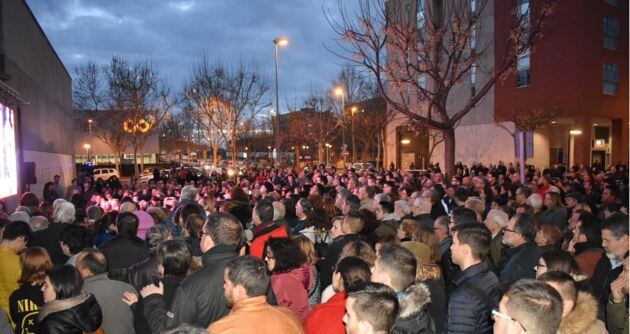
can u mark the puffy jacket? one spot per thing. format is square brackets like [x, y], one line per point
[413, 317]
[199, 299]
[255, 315]
[291, 289]
[74, 315]
[468, 309]
[617, 317]
[327, 318]
[519, 263]
[583, 317]
[261, 236]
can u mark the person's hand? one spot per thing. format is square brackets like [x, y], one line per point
[152, 289]
[129, 298]
[617, 288]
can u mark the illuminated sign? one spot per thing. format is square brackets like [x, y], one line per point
[8, 155]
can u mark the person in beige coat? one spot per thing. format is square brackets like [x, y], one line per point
[579, 313]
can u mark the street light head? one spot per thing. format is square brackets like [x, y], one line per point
[90, 121]
[575, 132]
[268, 147]
[282, 41]
[354, 109]
[339, 91]
[405, 141]
[86, 146]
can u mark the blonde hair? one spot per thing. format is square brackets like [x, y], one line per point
[308, 248]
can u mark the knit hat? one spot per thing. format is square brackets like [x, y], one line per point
[146, 221]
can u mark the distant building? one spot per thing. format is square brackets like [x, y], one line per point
[92, 149]
[580, 69]
[31, 69]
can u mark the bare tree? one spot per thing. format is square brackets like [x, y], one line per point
[323, 123]
[418, 56]
[228, 97]
[528, 119]
[99, 110]
[145, 99]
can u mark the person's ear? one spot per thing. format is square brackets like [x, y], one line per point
[365, 327]
[567, 307]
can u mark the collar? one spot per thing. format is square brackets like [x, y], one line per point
[95, 278]
[518, 249]
[250, 304]
[218, 251]
[471, 271]
[391, 216]
[7, 250]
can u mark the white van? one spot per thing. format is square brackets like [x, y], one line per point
[105, 173]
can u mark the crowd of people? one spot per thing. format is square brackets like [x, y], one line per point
[322, 250]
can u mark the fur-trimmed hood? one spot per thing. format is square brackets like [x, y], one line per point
[414, 300]
[583, 318]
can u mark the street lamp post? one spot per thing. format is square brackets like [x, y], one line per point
[90, 129]
[282, 42]
[340, 92]
[354, 151]
[269, 149]
[87, 151]
[327, 153]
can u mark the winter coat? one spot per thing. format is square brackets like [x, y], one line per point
[437, 307]
[468, 309]
[617, 317]
[412, 316]
[583, 317]
[262, 235]
[519, 263]
[555, 217]
[327, 318]
[122, 253]
[25, 304]
[74, 315]
[600, 283]
[5, 324]
[315, 291]
[117, 316]
[386, 227]
[199, 299]
[496, 249]
[291, 289]
[255, 315]
[48, 238]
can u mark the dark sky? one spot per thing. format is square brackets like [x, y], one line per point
[176, 33]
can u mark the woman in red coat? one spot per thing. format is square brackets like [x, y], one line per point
[327, 318]
[291, 276]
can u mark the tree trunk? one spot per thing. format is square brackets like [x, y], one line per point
[141, 160]
[135, 161]
[320, 152]
[449, 151]
[215, 154]
[297, 156]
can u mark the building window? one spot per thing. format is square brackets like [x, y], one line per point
[523, 69]
[612, 2]
[422, 81]
[611, 33]
[610, 79]
[473, 79]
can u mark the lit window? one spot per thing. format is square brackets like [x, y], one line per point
[523, 69]
[611, 33]
[610, 79]
[422, 81]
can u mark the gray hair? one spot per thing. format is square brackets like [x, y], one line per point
[535, 201]
[38, 223]
[156, 235]
[64, 213]
[94, 213]
[499, 217]
[128, 207]
[24, 209]
[57, 202]
[189, 193]
[19, 216]
[279, 211]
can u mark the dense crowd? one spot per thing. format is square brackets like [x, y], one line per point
[321, 250]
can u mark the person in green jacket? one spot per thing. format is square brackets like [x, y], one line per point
[617, 308]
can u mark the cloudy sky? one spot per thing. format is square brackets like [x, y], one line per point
[176, 33]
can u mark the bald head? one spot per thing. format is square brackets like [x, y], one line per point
[91, 262]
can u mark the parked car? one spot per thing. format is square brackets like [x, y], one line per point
[105, 173]
[363, 165]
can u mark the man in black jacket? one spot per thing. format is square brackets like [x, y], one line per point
[342, 232]
[126, 249]
[523, 253]
[199, 299]
[477, 289]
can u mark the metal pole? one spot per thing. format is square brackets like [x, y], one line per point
[343, 118]
[521, 150]
[354, 152]
[277, 120]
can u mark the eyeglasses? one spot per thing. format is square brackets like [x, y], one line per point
[538, 266]
[513, 231]
[497, 314]
[201, 233]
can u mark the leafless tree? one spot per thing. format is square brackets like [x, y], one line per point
[419, 57]
[528, 119]
[228, 98]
